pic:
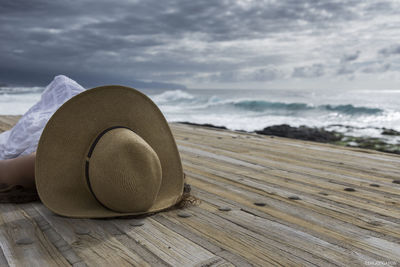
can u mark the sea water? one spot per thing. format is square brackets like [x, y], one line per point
[354, 112]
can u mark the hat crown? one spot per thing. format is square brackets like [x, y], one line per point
[124, 172]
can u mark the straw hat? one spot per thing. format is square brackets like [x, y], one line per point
[108, 152]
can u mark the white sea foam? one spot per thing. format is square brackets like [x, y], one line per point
[347, 112]
[20, 90]
[17, 104]
[366, 112]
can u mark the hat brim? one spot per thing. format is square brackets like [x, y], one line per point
[63, 145]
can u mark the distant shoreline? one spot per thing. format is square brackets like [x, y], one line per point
[321, 135]
[314, 134]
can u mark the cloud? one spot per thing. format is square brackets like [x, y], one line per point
[183, 42]
[391, 50]
[264, 74]
[345, 70]
[350, 57]
[376, 68]
[315, 70]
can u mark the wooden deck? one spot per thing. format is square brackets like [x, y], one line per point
[287, 202]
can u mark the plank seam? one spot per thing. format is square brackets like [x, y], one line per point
[204, 243]
[54, 237]
[3, 259]
[143, 251]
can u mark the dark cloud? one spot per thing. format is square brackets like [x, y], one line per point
[350, 57]
[266, 74]
[315, 70]
[165, 41]
[376, 68]
[345, 70]
[391, 50]
[257, 75]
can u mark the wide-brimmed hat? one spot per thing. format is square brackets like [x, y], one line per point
[108, 152]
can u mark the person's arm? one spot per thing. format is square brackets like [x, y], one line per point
[18, 171]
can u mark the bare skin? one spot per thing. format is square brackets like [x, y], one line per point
[18, 171]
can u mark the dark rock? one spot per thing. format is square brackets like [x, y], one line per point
[324, 136]
[396, 181]
[369, 143]
[390, 132]
[302, 132]
[261, 204]
[224, 209]
[294, 198]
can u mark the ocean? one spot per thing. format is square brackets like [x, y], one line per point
[353, 112]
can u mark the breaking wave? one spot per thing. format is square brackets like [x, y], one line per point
[260, 106]
[187, 100]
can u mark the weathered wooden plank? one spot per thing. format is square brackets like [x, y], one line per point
[268, 244]
[23, 243]
[216, 156]
[289, 239]
[55, 238]
[287, 183]
[168, 245]
[282, 187]
[313, 207]
[287, 148]
[7, 121]
[198, 239]
[289, 163]
[318, 184]
[91, 243]
[360, 201]
[327, 226]
[276, 166]
[301, 221]
[235, 239]
[3, 260]
[352, 255]
[131, 244]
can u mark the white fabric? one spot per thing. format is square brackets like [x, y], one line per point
[23, 138]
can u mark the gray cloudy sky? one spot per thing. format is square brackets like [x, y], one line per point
[202, 44]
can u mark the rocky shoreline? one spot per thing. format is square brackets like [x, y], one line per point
[325, 136]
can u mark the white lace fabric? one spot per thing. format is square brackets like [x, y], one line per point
[24, 137]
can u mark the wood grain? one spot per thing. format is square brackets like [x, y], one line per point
[305, 213]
